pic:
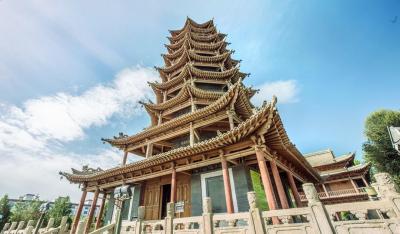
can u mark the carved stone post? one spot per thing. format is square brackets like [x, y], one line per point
[141, 213]
[207, 216]
[20, 226]
[81, 227]
[318, 213]
[169, 229]
[6, 227]
[387, 190]
[255, 221]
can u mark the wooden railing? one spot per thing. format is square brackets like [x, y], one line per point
[337, 194]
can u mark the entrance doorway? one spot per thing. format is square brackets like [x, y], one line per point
[165, 198]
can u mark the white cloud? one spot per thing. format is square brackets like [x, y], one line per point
[29, 134]
[285, 90]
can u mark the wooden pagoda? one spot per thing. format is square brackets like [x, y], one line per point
[205, 138]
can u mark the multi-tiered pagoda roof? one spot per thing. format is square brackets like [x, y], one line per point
[201, 107]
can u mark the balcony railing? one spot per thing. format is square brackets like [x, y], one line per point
[337, 194]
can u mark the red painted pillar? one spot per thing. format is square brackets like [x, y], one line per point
[227, 185]
[78, 212]
[266, 180]
[92, 210]
[173, 184]
[279, 185]
[98, 221]
[293, 187]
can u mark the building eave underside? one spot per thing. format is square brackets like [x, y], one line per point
[360, 169]
[219, 104]
[242, 131]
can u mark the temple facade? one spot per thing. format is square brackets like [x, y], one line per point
[206, 139]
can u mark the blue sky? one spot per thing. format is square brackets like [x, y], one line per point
[72, 72]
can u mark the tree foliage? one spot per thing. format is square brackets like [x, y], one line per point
[4, 210]
[60, 208]
[25, 211]
[378, 149]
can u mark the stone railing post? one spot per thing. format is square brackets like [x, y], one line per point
[386, 190]
[63, 225]
[170, 218]
[207, 216]
[29, 227]
[318, 212]
[256, 222]
[141, 214]
[12, 227]
[20, 226]
[5, 228]
[81, 227]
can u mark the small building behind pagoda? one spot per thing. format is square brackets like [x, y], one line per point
[206, 139]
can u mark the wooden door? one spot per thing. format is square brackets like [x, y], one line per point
[183, 193]
[152, 200]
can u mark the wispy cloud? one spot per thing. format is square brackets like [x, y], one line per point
[287, 91]
[28, 133]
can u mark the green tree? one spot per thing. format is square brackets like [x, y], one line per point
[4, 210]
[25, 211]
[378, 148]
[60, 208]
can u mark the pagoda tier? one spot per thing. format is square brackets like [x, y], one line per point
[223, 109]
[198, 74]
[265, 123]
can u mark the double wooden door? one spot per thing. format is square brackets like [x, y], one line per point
[154, 201]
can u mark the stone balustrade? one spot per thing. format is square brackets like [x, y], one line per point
[380, 216]
[337, 194]
[21, 228]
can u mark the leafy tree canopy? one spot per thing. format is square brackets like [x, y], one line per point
[60, 208]
[4, 210]
[378, 148]
[25, 211]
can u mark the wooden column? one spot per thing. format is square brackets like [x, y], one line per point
[149, 150]
[92, 210]
[293, 187]
[173, 184]
[266, 179]
[191, 135]
[230, 118]
[279, 185]
[365, 181]
[78, 212]
[164, 96]
[103, 202]
[124, 158]
[325, 190]
[159, 118]
[354, 185]
[227, 185]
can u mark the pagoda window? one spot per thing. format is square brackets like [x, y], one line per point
[205, 135]
[204, 54]
[208, 68]
[210, 87]
[360, 183]
[182, 111]
[180, 141]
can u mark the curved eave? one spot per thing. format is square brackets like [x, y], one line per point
[186, 118]
[279, 137]
[344, 160]
[241, 131]
[360, 169]
[213, 75]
